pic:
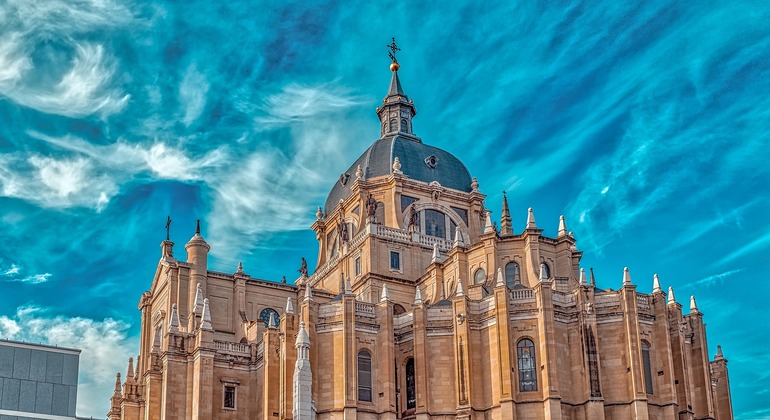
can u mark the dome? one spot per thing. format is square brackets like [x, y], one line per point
[419, 161]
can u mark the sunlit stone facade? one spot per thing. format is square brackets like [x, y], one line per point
[420, 307]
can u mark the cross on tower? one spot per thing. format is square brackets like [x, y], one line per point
[393, 48]
[168, 227]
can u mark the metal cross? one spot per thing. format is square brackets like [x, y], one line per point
[393, 48]
[168, 227]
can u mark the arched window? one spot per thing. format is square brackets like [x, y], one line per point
[411, 400]
[527, 363]
[512, 274]
[364, 376]
[647, 367]
[545, 268]
[435, 223]
[265, 315]
[480, 276]
[393, 125]
[404, 126]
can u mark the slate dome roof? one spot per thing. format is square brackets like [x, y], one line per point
[419, 161]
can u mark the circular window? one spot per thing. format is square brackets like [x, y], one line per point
[431, 161]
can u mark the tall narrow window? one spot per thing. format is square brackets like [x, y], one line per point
[229, 397]
[358, 266]
[435, 223]
[364, 376]
[395, 260]
[527, 372]
[647, 367]
[593, 363]
[411, 400]
[480, 277]
[512, 274]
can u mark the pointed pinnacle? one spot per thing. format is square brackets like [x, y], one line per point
[671, 298]
[117, 383]
[458, 239]
[417, 297]
[130, 370]
[500, 280]
[240, 268]
[436, 255]
[593, 280]
[531, 219]
[198, 303]
[488, 228]
[693, 305]
[308, 292]
[174, 322]
[543, 275]
[719, 352]
[384, 297]
[206, 320]
[562, 227]
[655, 284]
[583, 277]
[289, 306]
[460, 291]
[626, 277]
[198, 227]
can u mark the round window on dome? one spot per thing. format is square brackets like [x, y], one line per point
[431, 161]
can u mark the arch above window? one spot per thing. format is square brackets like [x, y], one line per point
[364, 376]
[525, 349]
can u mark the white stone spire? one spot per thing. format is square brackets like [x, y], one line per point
[198, 303]
[308, 292]
[348, 288]
[719, 355]
[562, 227]
[531, 219]
[289, 306]
[500, 279]
[273, 321]
[417, 296]
[240, 268]
[436, 255]
[303, 377]
[173, 325]
[626, 277]
[693, 305]
[671, 299]
[458, 238]
[583, 277]
[543, 274]
[130, 371]
[655, 284]
[206, 321]
[384, 297]
[460, 291]
[488, 228]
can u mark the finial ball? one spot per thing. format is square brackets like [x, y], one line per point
[394, 66]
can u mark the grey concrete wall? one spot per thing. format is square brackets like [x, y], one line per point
[37, 381]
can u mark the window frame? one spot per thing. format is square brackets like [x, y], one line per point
[529, 361]
[363, 387]
[234, 387]
[649, 387]
[516, 276]
[398, 260]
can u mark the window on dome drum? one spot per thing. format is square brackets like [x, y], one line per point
[364, 376]
[229, 397]
[406, 201]
[435, 223]
[404, 127]
[647, 367]
[512, 274]
[395, 260]
[527, 363]
[480, 277]
[393, 125]
[265, 315]
[411, 400]
[547, 270]
[462, 213]
[358, 266]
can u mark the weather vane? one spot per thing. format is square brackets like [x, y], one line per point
[168, 227]
[393, 48]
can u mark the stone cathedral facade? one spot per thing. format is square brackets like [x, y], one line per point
[419, 308]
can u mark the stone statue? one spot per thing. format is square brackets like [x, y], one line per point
[303, 268]
[342, 229]
[283, 279]
[371, 208]
[413, 221]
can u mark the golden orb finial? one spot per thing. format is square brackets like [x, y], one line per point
[394, 66]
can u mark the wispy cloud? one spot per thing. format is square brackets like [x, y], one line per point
[104, 344]
[192, 94]
[716, 278]
[762, 242]
[16, 275]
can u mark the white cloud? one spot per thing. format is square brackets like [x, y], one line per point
[297, 102]
[104, 344]
[716, 278]
[15, 274]
[192, 94]
[13, 270]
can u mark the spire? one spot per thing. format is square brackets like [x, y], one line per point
[655, 284]
[117, 385]
[506, 228]
[174, 323]
[156, 341]
[531, 219]
[206, 321]
[593, 280]
[198, 303]
[240, 268]
[198, 227]
[397, 110]
[436, 255]
[719, 355]
[626, 277]
[671, 299]
[583, 277]
[500, 280]
[460, 291]
[348, 288]
[693, 305]
[488, 228]
[273, 321]
[458, 238]
[417, 296]
[289, 306]
[384, 297]
[130, 370]
[303, 340]
[562, 227]
[308, 292]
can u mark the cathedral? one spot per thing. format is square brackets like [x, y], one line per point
[420, 307]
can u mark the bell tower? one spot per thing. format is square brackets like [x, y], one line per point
[397, 110]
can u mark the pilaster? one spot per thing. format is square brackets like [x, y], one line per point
[547, 350]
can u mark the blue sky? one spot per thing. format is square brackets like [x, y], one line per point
[647, 126]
